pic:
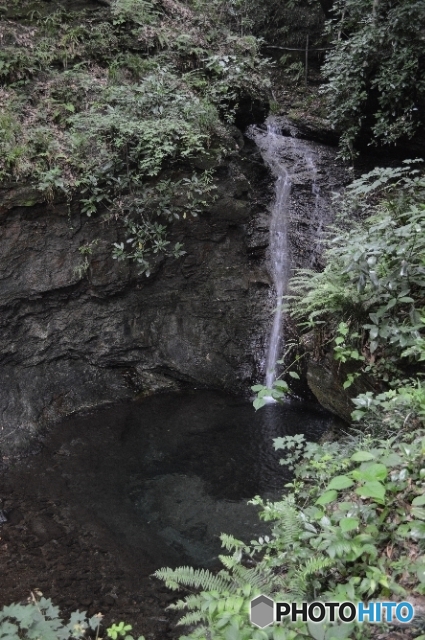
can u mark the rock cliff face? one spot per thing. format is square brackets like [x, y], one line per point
[72, 340]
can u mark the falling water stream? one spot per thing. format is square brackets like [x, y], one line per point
[289, 159]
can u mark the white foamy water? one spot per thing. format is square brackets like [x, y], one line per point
[289, 159]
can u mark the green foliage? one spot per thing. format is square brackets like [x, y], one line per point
[278, 392]
[169, 200]
[139, 12]
[86, 251]
[39, 620]
[368, 301]
[403, 406]
[188, 576]
[285, 23]
[362, 511]
[375, 71]
[294, 445]
[99, 109]
[120, 630]
[350, 503]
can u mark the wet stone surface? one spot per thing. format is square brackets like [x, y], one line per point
[116, 494]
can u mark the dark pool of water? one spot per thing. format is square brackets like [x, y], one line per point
[166, 475]
[172, 472]
[120, 492]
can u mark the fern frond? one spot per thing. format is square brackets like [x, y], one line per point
[289, 529]
[259, 577]
[191, 602]
[229, 561]
[190, 577]
[300, 580]
[178, 606]
[315, 565]
[230, 543]
[193, 618]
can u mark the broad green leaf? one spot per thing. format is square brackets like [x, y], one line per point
[339, 632]
[317, 630]
[418, 501]
[343, 328]
[281, 384]
[420, 572]
[392, 460]
[340, 482]
[403, 530]
[391, 303]
[370, 472]
[372, 489]
[257, 387]
[347, 506]
[328, 496]
[417, 530]
[294, 375]
[418, 512]
[258, 403]
[373, 333]
[279, 443]
[348, 524]
[362, 456]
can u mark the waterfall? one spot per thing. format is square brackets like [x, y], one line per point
[290, 160]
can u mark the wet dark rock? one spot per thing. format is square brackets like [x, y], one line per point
[71, 341]
[326, 378]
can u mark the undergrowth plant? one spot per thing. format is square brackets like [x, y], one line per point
[350, 528]
[366, 307]
[375, 70]
[39, 619]
[118, 111]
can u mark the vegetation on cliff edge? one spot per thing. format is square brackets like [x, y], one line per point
[97, 103]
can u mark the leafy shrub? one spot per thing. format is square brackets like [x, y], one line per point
[98, 109]
[39, 619]
[375, 71]
[368, 300]
[349, 503]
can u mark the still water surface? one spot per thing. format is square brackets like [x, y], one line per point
[170, 473]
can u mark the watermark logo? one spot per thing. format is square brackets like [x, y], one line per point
[264, 611]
